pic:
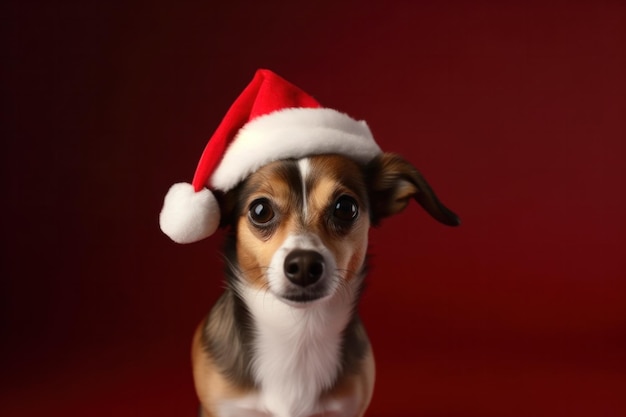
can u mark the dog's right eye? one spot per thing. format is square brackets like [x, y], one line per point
[261, 212]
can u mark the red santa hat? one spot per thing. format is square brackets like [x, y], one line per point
[271, 120]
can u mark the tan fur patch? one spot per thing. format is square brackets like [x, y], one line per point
[211, 386]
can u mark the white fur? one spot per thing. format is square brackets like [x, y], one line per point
[304, 166]
[293, 133]
[188, 216]
[296, 354]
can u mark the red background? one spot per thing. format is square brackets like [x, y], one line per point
[515, 113]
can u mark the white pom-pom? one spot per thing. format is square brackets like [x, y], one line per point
[189, 216]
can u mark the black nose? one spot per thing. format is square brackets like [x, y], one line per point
[304, 267]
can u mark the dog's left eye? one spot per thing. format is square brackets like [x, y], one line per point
[261, 211]
[345, 208]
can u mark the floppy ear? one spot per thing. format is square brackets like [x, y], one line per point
[392, 182]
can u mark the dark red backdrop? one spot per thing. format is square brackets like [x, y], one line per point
[514, 113]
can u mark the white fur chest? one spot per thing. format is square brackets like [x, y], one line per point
[296, 356]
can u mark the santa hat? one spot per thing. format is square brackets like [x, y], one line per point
[271, 120]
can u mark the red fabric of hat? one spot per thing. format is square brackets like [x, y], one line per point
[266, 93]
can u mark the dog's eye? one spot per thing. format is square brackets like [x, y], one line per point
[261, 211]
[345, 208]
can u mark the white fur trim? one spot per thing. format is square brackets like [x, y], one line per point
[189, 216]
[293, 133]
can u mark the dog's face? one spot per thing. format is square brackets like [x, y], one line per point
[302, 226]
[302, 230]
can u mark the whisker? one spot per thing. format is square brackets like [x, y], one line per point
[345, 287]
[265, 288]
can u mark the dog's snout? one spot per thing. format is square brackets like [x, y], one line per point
[304, 267]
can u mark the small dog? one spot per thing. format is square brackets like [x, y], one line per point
[285, 338]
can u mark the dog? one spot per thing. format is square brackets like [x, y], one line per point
[285, 338]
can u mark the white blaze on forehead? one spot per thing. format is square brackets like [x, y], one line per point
[304, 165]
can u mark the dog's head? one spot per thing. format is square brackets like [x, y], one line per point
[300, 227]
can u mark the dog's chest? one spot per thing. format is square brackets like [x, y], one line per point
[297, 357]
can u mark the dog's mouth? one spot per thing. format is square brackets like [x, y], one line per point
[303, 296]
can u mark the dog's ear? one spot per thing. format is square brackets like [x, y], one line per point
[392, 182]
